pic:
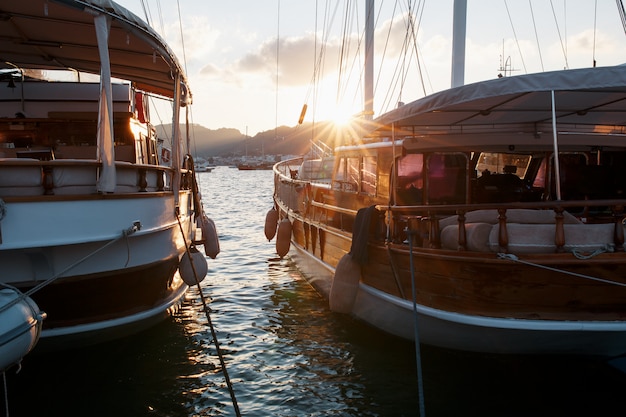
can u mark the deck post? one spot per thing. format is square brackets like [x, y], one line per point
[503, 234]
[559, 233]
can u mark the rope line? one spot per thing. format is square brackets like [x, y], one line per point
[514, 258]
[208, 317]
[125, 233]
[6, 394]
[418, 355]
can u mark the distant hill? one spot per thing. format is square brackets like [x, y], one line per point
[208, 142]
[283, 140]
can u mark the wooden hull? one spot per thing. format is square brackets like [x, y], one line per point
[476, 305]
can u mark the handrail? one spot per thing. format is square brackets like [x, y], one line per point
[334, 208]
[512, 205]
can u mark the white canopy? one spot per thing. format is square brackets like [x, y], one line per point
[60, 34]
[587, 102]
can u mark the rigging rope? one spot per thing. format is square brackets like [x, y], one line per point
[532, 13]
[622, 13]
[563, 47]
[514, 258]
[206, 310]
[519, 49]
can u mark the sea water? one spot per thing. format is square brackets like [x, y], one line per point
[286, 354]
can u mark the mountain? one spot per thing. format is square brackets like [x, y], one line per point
[283, 140]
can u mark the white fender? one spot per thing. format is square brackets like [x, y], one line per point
[345, 285]
[271, 223]
[21, 322]
[283, 237]
[199, 266]
[210, 239]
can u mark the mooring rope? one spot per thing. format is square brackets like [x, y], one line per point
[125, 233]
[212, 328]
[6, 394]
[514, 258]
[418, 355]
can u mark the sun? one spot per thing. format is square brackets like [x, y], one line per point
[342, 117]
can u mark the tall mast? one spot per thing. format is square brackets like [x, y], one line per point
[458, 42]
[369, 61]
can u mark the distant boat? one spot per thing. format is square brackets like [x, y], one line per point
[203, 168]
[256, 166]
[488, 217]
[96, 213]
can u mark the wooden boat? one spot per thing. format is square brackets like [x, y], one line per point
[95, 211]
[255, 166]
[20, 326]
[488, 217]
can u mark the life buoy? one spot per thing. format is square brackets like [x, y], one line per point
[271, 223]
[283, 237]
[345, 285]
[193, 274]
[210, 239]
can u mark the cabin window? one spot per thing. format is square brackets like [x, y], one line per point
[368, 175]
[447, 178]
[410, 184]
[500, 178]
[347, 174]
[353, 168]
[503, 163]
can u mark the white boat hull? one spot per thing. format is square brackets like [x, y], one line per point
[106, 267]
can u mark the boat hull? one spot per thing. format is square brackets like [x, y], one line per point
[110, 265]
[467, 332]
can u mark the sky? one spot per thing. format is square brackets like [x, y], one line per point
[240, 78]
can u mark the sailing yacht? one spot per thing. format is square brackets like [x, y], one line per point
[488, 217]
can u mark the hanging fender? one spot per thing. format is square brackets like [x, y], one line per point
[345, 285]
[283, 237]
[193, 267]
[210, 239]
[271, 223]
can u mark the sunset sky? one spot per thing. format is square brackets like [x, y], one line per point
[230, 51]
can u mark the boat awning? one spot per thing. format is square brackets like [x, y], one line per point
[60, 34]
[587, 102]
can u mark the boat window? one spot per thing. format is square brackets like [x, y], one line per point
[347, 173]
[368, 181]
[340, 171]
[500, 178]
[502, 163]
[410, 184]
[353, 166]
[446, 180]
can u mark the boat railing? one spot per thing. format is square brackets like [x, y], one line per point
[521, 222]
[23, 177]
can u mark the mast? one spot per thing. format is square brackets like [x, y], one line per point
[458, 42]
[368, 86]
